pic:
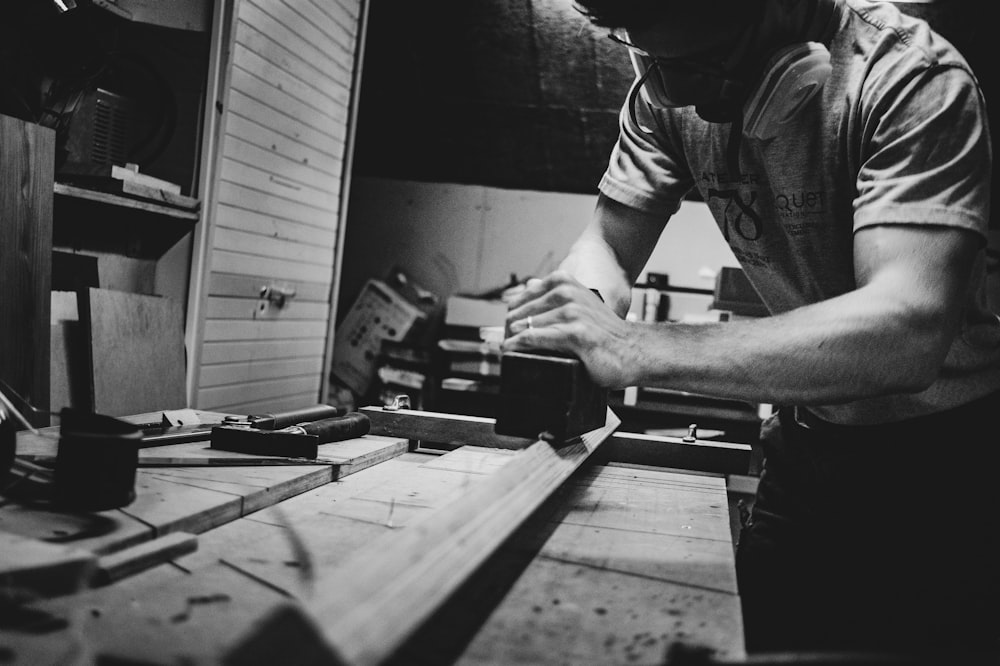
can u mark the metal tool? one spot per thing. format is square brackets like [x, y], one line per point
[279, 420]
[163, 433]
[296, 441]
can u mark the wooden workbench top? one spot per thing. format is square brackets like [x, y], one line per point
[621, 563]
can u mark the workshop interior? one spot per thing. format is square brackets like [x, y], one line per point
[256, 258]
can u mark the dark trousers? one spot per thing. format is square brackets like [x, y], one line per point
[876, 539]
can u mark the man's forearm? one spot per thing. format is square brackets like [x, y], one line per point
[838, 350]
[595, 265]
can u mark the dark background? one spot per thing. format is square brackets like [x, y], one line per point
[520, 94]
[525, 94]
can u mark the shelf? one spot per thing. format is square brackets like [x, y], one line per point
[89, 219]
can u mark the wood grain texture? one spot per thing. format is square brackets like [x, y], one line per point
[115, 567]
[27, 158]
[631, 561]
[277, 204]
[137, 352]
[367, 607]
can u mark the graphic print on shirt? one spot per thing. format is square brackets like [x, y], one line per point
[739, 214]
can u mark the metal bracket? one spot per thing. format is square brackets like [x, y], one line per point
[276, 295]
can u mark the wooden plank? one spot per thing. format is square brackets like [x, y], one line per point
[27, 154]
[220, 307]
[262, 391]
[641, 560]
[182, 620]
[370, 605]
[286, 34]
[276, 269]
[252, 144]
[99, 533]
[332, 522]
[347, 456]
[237, 373]
[194, 500]
[325, 119]
[292, 56]
[257, 223]
[268, 246]
[290, 78]
[257, 350]
[284, 403]
[233, 194]
[250, 286]
[137, 350]
[635, 448]
[115, 567]
[222, 329]
[277, 182]
[253, 137]
[699, 456]
[310, 29]
[124, 202]
[300, 127]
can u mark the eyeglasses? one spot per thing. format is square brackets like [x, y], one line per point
[685, 64]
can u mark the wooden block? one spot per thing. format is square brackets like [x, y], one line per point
[41, 568]
[549, 394]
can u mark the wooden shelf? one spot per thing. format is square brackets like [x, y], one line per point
[102, 221]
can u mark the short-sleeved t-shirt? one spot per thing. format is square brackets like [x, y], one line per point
[897, 135]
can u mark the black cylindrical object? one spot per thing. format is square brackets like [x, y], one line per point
[96, 461]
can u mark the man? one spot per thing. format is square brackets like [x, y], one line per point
[843, 149]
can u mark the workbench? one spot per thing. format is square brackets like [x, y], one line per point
[618, 564]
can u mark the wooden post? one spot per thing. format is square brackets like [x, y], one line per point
[27, 170]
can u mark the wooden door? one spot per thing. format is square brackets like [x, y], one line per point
[267, 260]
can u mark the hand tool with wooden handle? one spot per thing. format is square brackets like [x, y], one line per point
[164, 433]
[296, 441]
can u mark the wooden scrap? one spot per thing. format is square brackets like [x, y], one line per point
[122, 564]
[137, 351]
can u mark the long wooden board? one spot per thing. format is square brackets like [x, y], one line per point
[634, 448]
[367, 607]
[632, 561]
[193, 499]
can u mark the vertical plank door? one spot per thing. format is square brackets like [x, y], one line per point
[267, 258]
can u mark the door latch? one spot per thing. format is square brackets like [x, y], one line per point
[276, 295]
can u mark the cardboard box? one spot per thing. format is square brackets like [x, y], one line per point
[474, 312]
[379, 313]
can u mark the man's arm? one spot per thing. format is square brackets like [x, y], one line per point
[612, 251]
[889, 335]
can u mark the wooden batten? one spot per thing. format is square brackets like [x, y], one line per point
[366, 608]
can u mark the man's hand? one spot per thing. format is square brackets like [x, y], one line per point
[558, 313]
